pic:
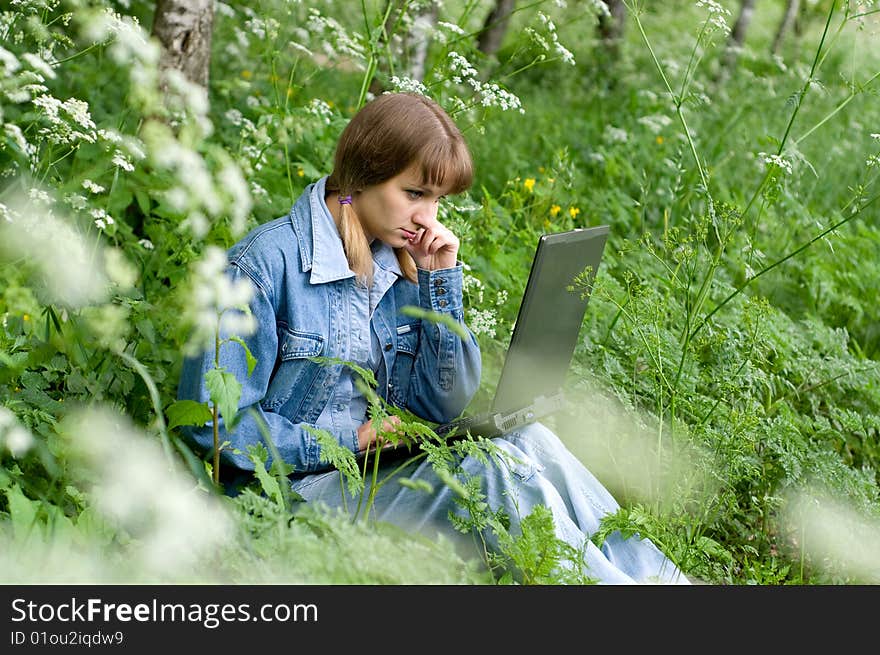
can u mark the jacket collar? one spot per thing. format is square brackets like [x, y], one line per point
[323, 254]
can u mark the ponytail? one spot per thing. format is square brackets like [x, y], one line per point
[407, 265]
[356, 246]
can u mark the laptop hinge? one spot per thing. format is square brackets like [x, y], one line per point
[540, 407]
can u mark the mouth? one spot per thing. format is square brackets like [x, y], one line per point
[409, 235]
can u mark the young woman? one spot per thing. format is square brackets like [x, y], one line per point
[329, 280]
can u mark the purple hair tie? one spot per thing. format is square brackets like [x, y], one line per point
[344, 200]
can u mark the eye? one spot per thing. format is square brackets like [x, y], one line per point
[414, 194]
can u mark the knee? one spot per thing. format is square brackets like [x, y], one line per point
[536, 437]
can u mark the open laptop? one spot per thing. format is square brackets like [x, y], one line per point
[544, 336]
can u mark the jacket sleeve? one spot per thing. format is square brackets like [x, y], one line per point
[296, 445]
[446, 371]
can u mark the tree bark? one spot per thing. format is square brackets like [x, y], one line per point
[416, 43]
[610, 26]
[184, 27]
[791, 11]
[738, 33]
[495, 27]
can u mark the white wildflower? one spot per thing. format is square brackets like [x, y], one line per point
[655, 122]
[234, 184]
[8, 61]
[482, 321]
[38, 65]
[39, 195]
[18, 441]
[121, 161]
[146, 244]
[451, 27]
[408, 85]
[102, 215]
[614, 134]
[777, 161]
[320, 109]
[15, 134]
[60, 256]
[88, 185]
[234, 116]
[172, 523]
[215, 295]
[76, 200]
[716, 14]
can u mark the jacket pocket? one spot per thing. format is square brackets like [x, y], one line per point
[300, 344]
[295, 372]
[407, 347]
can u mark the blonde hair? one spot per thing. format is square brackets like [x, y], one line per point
[386, 137]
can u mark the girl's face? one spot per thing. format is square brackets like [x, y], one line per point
[398, 208]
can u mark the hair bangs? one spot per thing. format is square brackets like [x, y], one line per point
[448, 166]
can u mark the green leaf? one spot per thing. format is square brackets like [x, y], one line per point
[225, 392]
[251, 360]
[365, 374]
[435, 317]
[257, 454]
[187, 412]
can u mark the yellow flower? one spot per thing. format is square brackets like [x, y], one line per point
[555, 209]
[529, 184]
[300, 172]
[574, 211]
[247, 75]
[659, 140]
[26, 317]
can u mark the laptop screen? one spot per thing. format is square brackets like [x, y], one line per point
[550, 317]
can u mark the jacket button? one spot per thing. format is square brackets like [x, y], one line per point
[441, 291]
[442, 302]
[388, 347]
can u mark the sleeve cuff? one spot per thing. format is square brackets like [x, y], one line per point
[441, 290]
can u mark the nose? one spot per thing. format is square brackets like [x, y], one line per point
[426, 211]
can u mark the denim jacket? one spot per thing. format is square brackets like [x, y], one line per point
[305, 304]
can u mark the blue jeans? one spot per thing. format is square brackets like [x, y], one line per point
[542, 472]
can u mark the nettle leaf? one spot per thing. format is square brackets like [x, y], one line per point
[187, 412]
[251, 360]
[225, 392]
[258, 454]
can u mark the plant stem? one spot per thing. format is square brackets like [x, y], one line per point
[769, 268]
[154, 398]
[803, 92]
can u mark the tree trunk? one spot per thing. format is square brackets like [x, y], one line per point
[495, 27]
[416, 43]
[184, 27]
[610, 26]
[791, 11]
[413, 43]
[738, 33]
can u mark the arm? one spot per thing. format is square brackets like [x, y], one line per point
[446, 371]
[296, 445]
